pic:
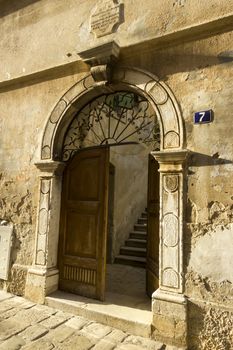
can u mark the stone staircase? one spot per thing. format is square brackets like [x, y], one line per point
[134, 251]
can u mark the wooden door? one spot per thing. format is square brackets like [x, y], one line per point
[152, 269]
[82, 245]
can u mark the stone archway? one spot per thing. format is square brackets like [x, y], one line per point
[43, 276]
[161, 97]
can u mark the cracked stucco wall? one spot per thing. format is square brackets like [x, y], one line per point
[209, 204]
[200, 75]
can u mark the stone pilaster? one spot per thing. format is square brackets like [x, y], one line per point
[42, 277]
[169, 302]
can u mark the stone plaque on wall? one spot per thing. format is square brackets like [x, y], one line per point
[5, 247]
[106, 17]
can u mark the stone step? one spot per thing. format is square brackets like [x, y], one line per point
[142, 221]
[130, 260]
[133, 251]
[140, 227]
[133, 242]
[138, 235]
[110, 312]
[144, 214]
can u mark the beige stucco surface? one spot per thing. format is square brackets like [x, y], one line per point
[210, 256]
[21, 128]
[67, 28]
[48, 34]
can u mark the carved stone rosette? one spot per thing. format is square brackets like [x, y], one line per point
[171, 183]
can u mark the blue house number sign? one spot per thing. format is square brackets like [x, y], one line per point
[203, 117]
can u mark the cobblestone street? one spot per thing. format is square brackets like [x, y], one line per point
[25, 325]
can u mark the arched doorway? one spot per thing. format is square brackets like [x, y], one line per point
[43, 276]
[127, 122]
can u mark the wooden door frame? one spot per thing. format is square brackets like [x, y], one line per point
[113, 169]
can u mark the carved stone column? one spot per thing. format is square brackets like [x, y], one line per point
[169, 302]
[42, 278]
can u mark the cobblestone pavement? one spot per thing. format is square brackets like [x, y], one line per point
[25, 325]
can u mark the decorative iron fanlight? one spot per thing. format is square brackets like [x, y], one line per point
[113, 119]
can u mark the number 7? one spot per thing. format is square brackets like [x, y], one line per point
[202, 114]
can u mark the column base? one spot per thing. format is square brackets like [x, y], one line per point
[41, 282]
[170, 318]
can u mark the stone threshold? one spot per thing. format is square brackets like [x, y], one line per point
[118, 311]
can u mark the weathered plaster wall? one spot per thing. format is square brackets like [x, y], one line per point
[210, 326]
[24, 111]
[203, 84]
[200, 75]
[23, 28]
[130, 193]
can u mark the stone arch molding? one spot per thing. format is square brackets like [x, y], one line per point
[157, 92]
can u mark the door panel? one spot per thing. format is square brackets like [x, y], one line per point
[88, 178]
[83, 226]
[82, 244]
[152, 270]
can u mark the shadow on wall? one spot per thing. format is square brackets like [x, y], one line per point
[192, 64]
[176, 57]
[195, 325]
[200, 159]
[8, 7]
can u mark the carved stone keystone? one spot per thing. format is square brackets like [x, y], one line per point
[101, 59]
